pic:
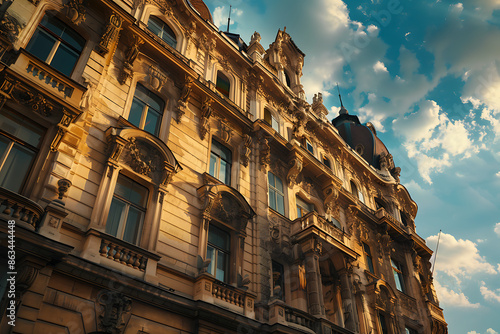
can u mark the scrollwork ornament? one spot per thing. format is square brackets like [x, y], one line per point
[206, 112]
[110, 33]
[246, 151]
[295, 168]
[75, 10]
[114, 306]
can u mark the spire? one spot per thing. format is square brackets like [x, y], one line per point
[342, 110]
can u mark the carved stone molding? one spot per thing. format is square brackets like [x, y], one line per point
[110, 33]
[265, 152]
[157, 78]
[225, 130]
[246, 151]
[206, 112]
[296, 165]
[76, 10]
[114, 307]
[10, 27]
[330, 203]
[182, 103]
[130, 56]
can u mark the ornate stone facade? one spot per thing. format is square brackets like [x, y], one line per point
[175, 182]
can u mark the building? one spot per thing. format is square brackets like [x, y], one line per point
[160, 176]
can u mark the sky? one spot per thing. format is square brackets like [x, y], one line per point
[427, 75]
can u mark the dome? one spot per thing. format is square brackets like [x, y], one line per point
[202, 8]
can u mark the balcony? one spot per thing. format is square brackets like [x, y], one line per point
[281, 314]
[312, 221]
[24, 211]
[115, 253]
[212, 291]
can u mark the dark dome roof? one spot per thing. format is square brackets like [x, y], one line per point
[202, 8]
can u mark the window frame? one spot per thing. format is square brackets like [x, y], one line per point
[59, 43]
[328, 162]
[281, 270]
[382, 324]
[213, 266]
[399, 276]
[158, 21]
[145, 108]
[303, 207]
[277, 193]
[216, 156]
[368, 258]
[12, 140]
[223, 76]
[309, 146]
[123, 220]
[274, 124]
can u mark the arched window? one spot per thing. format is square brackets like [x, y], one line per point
[269, 119]
[147, 110]
[162, 30]
[354, 190]
[223, 85]
[326, 162]
[56, 44]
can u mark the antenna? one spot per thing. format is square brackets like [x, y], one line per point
[229, 18]
[436, 254]
[340, 97]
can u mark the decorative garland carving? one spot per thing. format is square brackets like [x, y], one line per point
[295, 168]
[75, 10]
[206, 112]
[110, 33]
[157, 78]
[225, 130]
[246, 151]
[10, 27]
[114, 306]
[182, 103]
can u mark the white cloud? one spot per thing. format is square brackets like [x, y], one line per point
[491, 331]
[379, 67]
[451, 298]
[497, 229]
[489, 294]
[473, 332]
[219, 16]
[459, 258]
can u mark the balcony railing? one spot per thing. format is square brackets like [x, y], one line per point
[435, 311]
[123, 254]
[312, 219]
[19, 208]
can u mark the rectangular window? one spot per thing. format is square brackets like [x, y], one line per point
[19, 143]
[56, 44]
[276, 195]
[368, 257]
[383, 324]
[269, 119]
[218, 248]
[303, 207]
[146, 110]
[220, 162]
[309, 147]
[397, 269]
[127, 210]
[410, 331]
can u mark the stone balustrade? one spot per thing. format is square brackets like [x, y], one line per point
[435, 311]
[123, 254]
[19, 208]
[228, 294]
[312, 219]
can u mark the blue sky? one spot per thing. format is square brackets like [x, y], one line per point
[427, 75]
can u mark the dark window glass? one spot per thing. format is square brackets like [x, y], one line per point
[383, 324]
[354, 190]
[19, 142]
[276, 195]
[326, 162]
[397, 269]
[56, 44]
[410, 331]
[220, 162]
[218, 252]
[368, 256]
[223, 85]
[303, 207]
[162, 30]
[146, 111]
[269, 119]
[309, 147]
[288, 81]
[127, 210]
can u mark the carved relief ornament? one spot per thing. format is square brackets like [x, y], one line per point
[182, 103]
[76, 10]
[114, 306]
[295, 168]
[206, 112]
[110, 33]
[130, 56]
[246, 151]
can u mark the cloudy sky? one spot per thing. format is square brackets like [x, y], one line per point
[427, 75]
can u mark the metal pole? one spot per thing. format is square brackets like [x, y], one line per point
[436, 253]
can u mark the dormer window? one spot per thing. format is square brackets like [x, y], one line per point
[56, 44]
[162, 30]
[223, 85]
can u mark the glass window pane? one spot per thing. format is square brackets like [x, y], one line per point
[53, 24]
[275, 124]
[267, 117]
[272, 199]
[64, 60]
[154, 26]
[41, 44]
[270, 177]
[223, 84]
[4, 143]
[281, 204]
[213, 165]
[114, 216]
[136, 111]
[218, 238]
[132, 232]
[72, 38]
[16, 167]
[20, 128]
[220, 273]
[279, 184]
[131, 191]
[152, 122]
[211, 256]
[224, 174]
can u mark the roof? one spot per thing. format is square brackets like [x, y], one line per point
[202, 8]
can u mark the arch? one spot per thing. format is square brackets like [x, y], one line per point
[143, 153]
[170, 21]
[162, 30]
